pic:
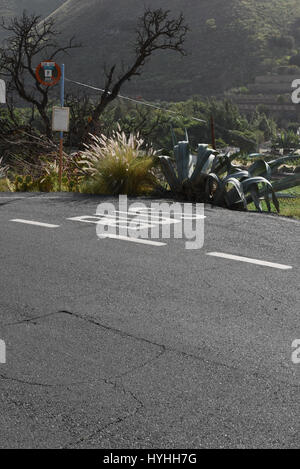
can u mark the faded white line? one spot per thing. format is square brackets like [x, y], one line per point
[36, 223]
[182, 216]
[133, 240]
[249, 260]
[29, 198]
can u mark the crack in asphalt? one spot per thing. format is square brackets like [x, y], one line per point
[30, 320]
[113, 381]
[164, 349]
[110, 382]
[124, 390]
[36, 383]
[113, 329]
[21, 381]
[139, 367]
[99, 431]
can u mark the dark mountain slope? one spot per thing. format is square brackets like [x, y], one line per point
[16, 7]
[11, 8]
[229, 43]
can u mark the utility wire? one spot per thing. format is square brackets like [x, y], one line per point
[154, 106]
[143, 103]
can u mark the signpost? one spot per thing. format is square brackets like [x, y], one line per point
[61, 143]
[49, 73]
[60, 119]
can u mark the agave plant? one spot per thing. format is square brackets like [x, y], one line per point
[210, 177]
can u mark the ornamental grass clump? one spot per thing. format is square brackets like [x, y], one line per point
[118, 165]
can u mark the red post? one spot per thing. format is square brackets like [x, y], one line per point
[60, 161]
[213, 135]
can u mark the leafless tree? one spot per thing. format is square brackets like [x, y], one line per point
[28, 41]
[81, 109]
[156, 31]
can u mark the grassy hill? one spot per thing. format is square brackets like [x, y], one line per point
[229, 43]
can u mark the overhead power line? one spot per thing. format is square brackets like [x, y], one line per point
[143, 103]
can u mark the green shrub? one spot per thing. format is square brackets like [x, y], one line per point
[24, 184]
[4, 185]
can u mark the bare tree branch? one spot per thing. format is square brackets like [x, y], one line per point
[156, 31]
[28, 40]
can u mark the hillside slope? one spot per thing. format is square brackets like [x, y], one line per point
[40, 7]
[229, 42]
[106, 29]
[11, 8]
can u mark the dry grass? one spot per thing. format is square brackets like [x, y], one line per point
[118, 165]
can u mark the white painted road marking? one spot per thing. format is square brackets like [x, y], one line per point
[249, 260]
[133, 240]
[37, 223]
[28, 198]
[182, 216]
[110, 220]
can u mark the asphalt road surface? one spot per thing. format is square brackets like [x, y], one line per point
[117, 344]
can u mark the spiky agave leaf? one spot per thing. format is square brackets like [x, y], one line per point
[239, 175]
[235, 195]
[267, 199]
[205, 159]
[183, 160]
[186, 135]
[284, 159]
[173, 136]
[223, 164]
[169, 172]
[260, 168]
[287, 182]
[212, 185]
[260, 180]
[253, 189]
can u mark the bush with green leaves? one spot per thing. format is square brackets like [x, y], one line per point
[47, 181]
[288, 140]
[118, 165]
[24, 184]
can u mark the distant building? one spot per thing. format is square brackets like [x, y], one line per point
[271, 93]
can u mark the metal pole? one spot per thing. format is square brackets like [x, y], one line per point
[61, 143]
[213, 136]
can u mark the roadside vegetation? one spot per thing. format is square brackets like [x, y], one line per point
[117, 165]
[117, 147]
